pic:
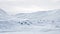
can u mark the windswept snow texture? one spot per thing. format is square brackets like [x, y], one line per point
[41, 21]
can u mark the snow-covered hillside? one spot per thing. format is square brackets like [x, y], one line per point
[37, 21]
[2, 13]
[42, 17]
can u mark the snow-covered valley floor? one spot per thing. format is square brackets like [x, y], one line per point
[32, 32]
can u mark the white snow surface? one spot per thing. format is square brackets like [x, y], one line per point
[42, 22]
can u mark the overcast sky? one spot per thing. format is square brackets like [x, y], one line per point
[28, 5]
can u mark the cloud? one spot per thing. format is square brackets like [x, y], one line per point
[29, 5]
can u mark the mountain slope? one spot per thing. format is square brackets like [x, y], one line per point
[48, 20]
[2, 13]
[42, 18]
